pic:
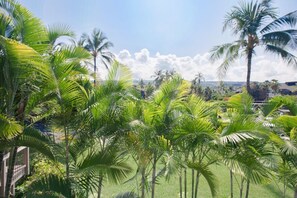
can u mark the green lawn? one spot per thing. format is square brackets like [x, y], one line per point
[171, 189]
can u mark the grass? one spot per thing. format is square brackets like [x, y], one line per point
[170, 189]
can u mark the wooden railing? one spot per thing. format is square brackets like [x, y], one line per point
[20, 169]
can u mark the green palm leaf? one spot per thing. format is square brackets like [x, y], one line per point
[209, 176]
[58, 30]
[9, 128]
[51, 186]
[103, 163]
[32, 138]
[281, 38]
[289, 19]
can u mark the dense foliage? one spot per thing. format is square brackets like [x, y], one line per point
[86, 133]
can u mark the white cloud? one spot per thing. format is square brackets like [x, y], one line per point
[264, 67]
[142, 56]
[124, 54]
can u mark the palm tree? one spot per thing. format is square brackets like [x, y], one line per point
[63, 87]
[242, 143]
[106, 112]
[87, 160]
[93, 119]
[196, 84]
[193, 136]
[247, 20]
[285, 139]
[98, 45]
[21, 43]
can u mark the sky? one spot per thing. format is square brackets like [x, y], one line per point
[149, 35]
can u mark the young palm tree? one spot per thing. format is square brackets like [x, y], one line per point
[242, 143]
[286, 139]
[105, 110]
[98, 45]
[88, 162]
[194, 136]
[247, 21]
[22, 38]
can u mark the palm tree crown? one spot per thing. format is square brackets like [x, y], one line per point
[247, 20]
[98, 45]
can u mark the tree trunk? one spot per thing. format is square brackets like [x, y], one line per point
[241, 188]
[1, 159]
[185, 182]
[295, 192]
[142, 182]
[67, 158]
[247, 189]
[197, 184]
[193, 182]
[231, 184]
[10, 170]
[285, 188]
[95, 70]
[100, 187]
[249, 69]
[66, 152]
[180, 183]
[154, 174]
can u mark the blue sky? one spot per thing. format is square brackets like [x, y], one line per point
[181, 28]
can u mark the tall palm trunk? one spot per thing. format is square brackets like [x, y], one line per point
[1, 159]
[67, 156]
[95, 70]
[142, 182]
[154, 174]
[197, 184]
[247, 189]
[249, 69]
[100, 186]
[231, 184]
[10, 170]
[241, 188]
[185, 182]
[66, 152]
[285, 187]
[181, 182]
[193, 182]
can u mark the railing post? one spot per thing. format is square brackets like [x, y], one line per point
[3, 178]
[12, 190]
[27, 160]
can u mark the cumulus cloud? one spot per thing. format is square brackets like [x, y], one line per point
[143, 65]
[142, 56]
[124, 54]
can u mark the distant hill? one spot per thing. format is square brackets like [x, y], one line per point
[205, 83]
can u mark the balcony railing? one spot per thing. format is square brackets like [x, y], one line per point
[20, 169]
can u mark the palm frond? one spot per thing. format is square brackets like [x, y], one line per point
[281, 38]
[31, 29]
[208, 175]
[289, 148]
[58, 30]
[243, 103]
[23, 60]
[289, 19]
[103, 163]
[287, 122]
[236, 138]
[9, 128]
[50, 186]
[6, 29]
[32, 138]
[120, 74]
[230, 51]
